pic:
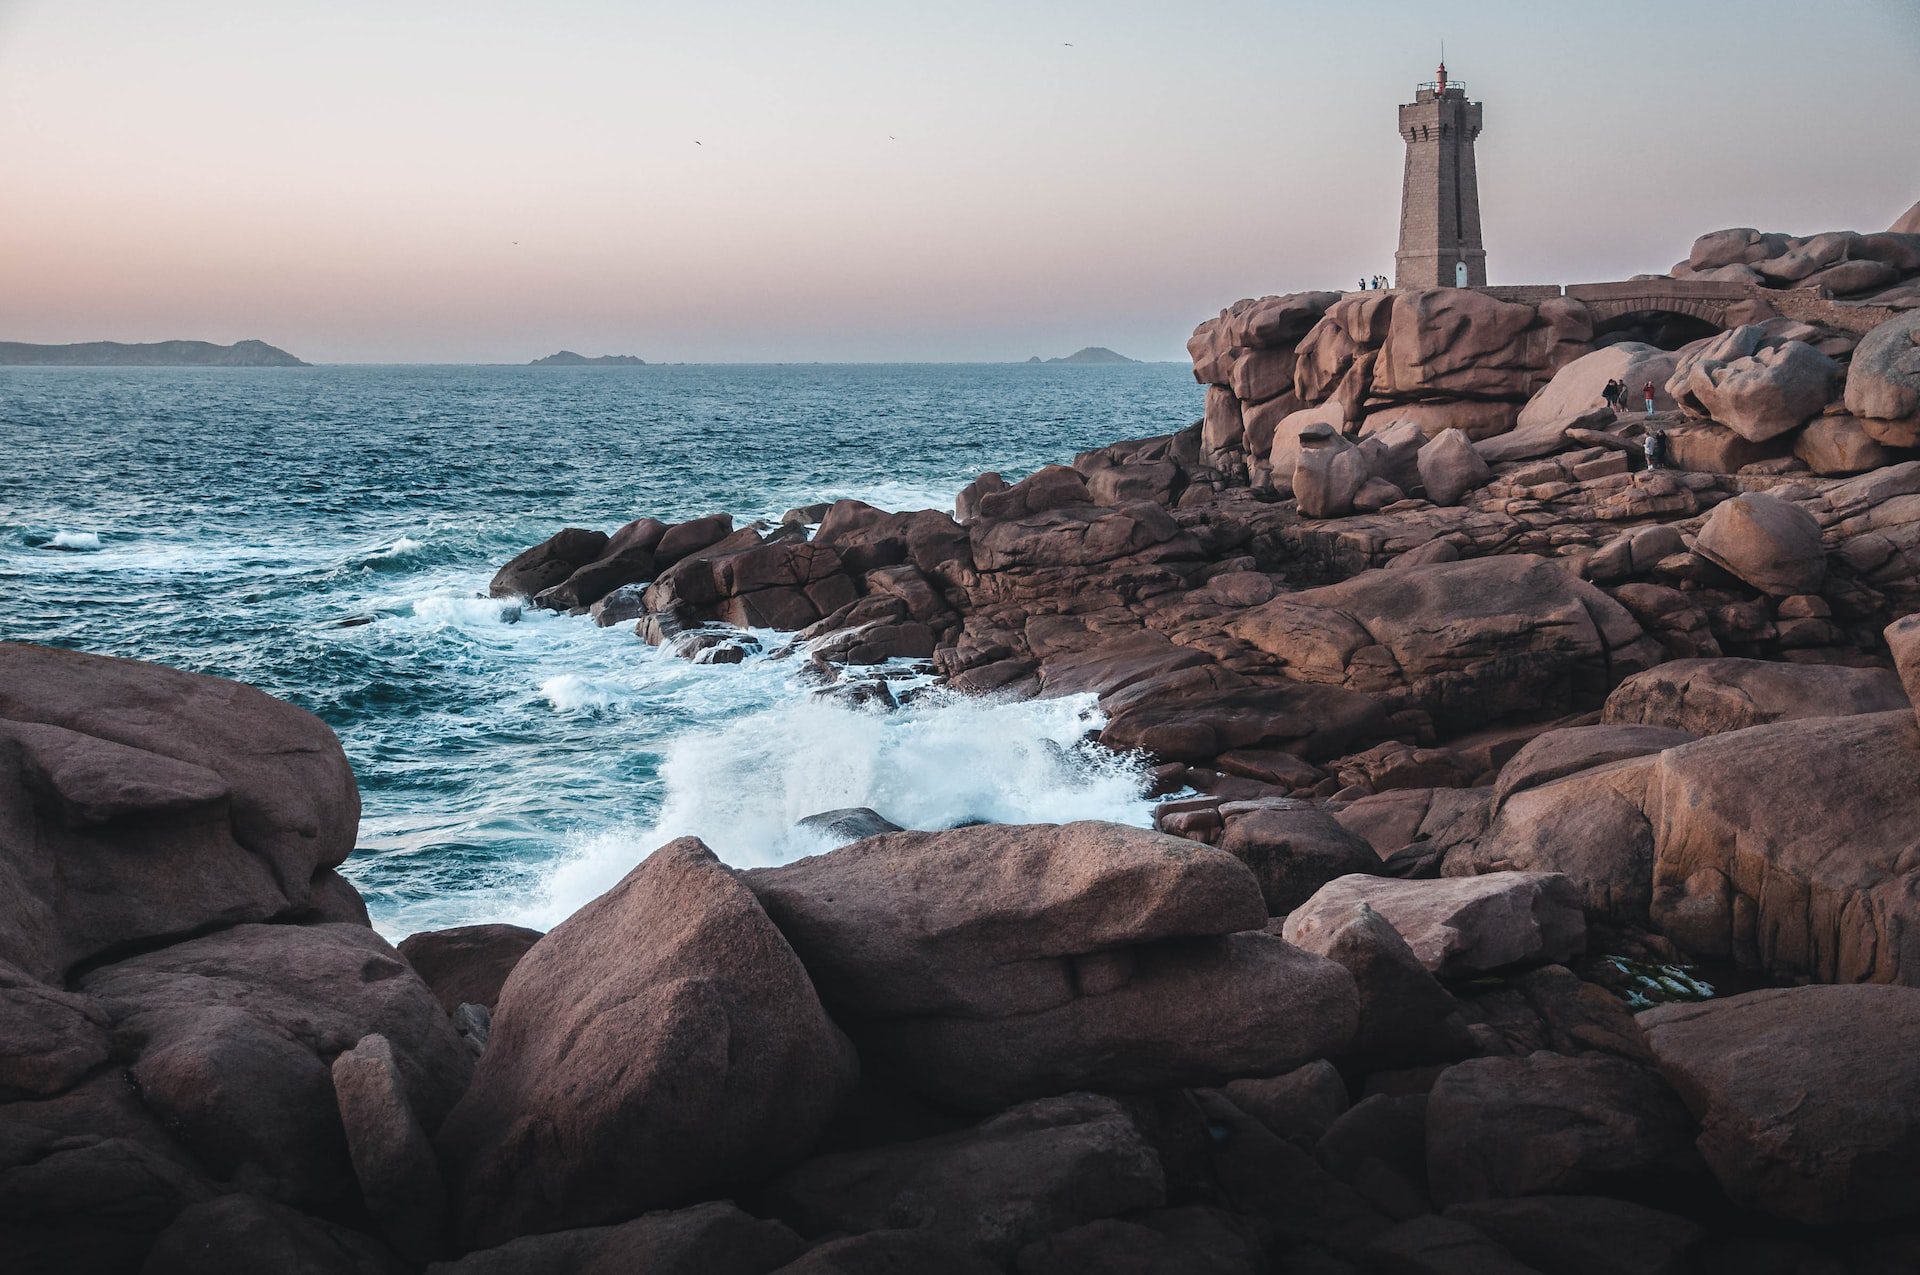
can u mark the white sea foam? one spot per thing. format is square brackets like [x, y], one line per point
[572, 693]
[401, 548]
[465, 610]
[942, 761]
[77, 541]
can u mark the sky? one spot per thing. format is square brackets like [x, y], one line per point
[431, 181]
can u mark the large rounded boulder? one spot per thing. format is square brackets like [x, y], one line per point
[660, 1045]
[139, 803]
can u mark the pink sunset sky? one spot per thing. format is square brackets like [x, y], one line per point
[480, 181]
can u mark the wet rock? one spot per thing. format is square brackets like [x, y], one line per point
[1029, 1172]
[1197, 721]
[1708, 697]
[467, 963]
[686, 539]
[143, 802]
[547, 563]
[1458, 927]
[1789, 1121]
[628, 558]
[966, 505]
[662, 1042]
[849, 824]
[1590, 1125]
[1769, 543]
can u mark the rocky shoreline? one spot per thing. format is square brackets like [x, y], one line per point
[1532, 889]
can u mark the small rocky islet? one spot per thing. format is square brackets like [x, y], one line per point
[1531, 893]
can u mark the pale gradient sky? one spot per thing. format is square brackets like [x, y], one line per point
[348, 179]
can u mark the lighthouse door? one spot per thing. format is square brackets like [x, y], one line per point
[1459, 274]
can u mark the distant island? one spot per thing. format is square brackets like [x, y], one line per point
[152, 354]
[1092, 354]
[567, 358]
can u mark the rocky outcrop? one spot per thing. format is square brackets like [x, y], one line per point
[239, 1032]
[1767, 542]
[241, 804]
[984, 965]
[661, 1042]
[1474, 733]
[1868, 267]
[1755, 860]
[1466, 642]
[1883, 381]
[1760, 380]
[1785, 1123]
[548, 563]
[1709, 697]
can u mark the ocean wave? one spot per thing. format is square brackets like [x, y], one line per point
[572, 693]
[466, 610]
[75, 541]
[943, 761]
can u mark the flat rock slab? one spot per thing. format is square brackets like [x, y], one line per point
[662, 1042]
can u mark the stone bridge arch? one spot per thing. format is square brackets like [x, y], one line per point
[1719, 304]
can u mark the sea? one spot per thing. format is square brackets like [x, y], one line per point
[327, 534]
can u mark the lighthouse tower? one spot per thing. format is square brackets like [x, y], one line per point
[1440, 190]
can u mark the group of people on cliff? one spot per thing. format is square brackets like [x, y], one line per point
[1654, 444]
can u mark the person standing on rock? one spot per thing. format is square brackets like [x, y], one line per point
[1615, 396]
[1655, 446]
[1648, 391]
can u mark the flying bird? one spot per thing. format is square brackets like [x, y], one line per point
[696, 143]
[1068, 44]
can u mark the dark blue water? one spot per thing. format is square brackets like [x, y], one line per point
[513, 763]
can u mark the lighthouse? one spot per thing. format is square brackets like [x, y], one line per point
[1440, 190]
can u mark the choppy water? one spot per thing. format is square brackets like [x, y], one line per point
[513, 764]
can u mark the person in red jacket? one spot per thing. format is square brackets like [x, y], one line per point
[1649, 393]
